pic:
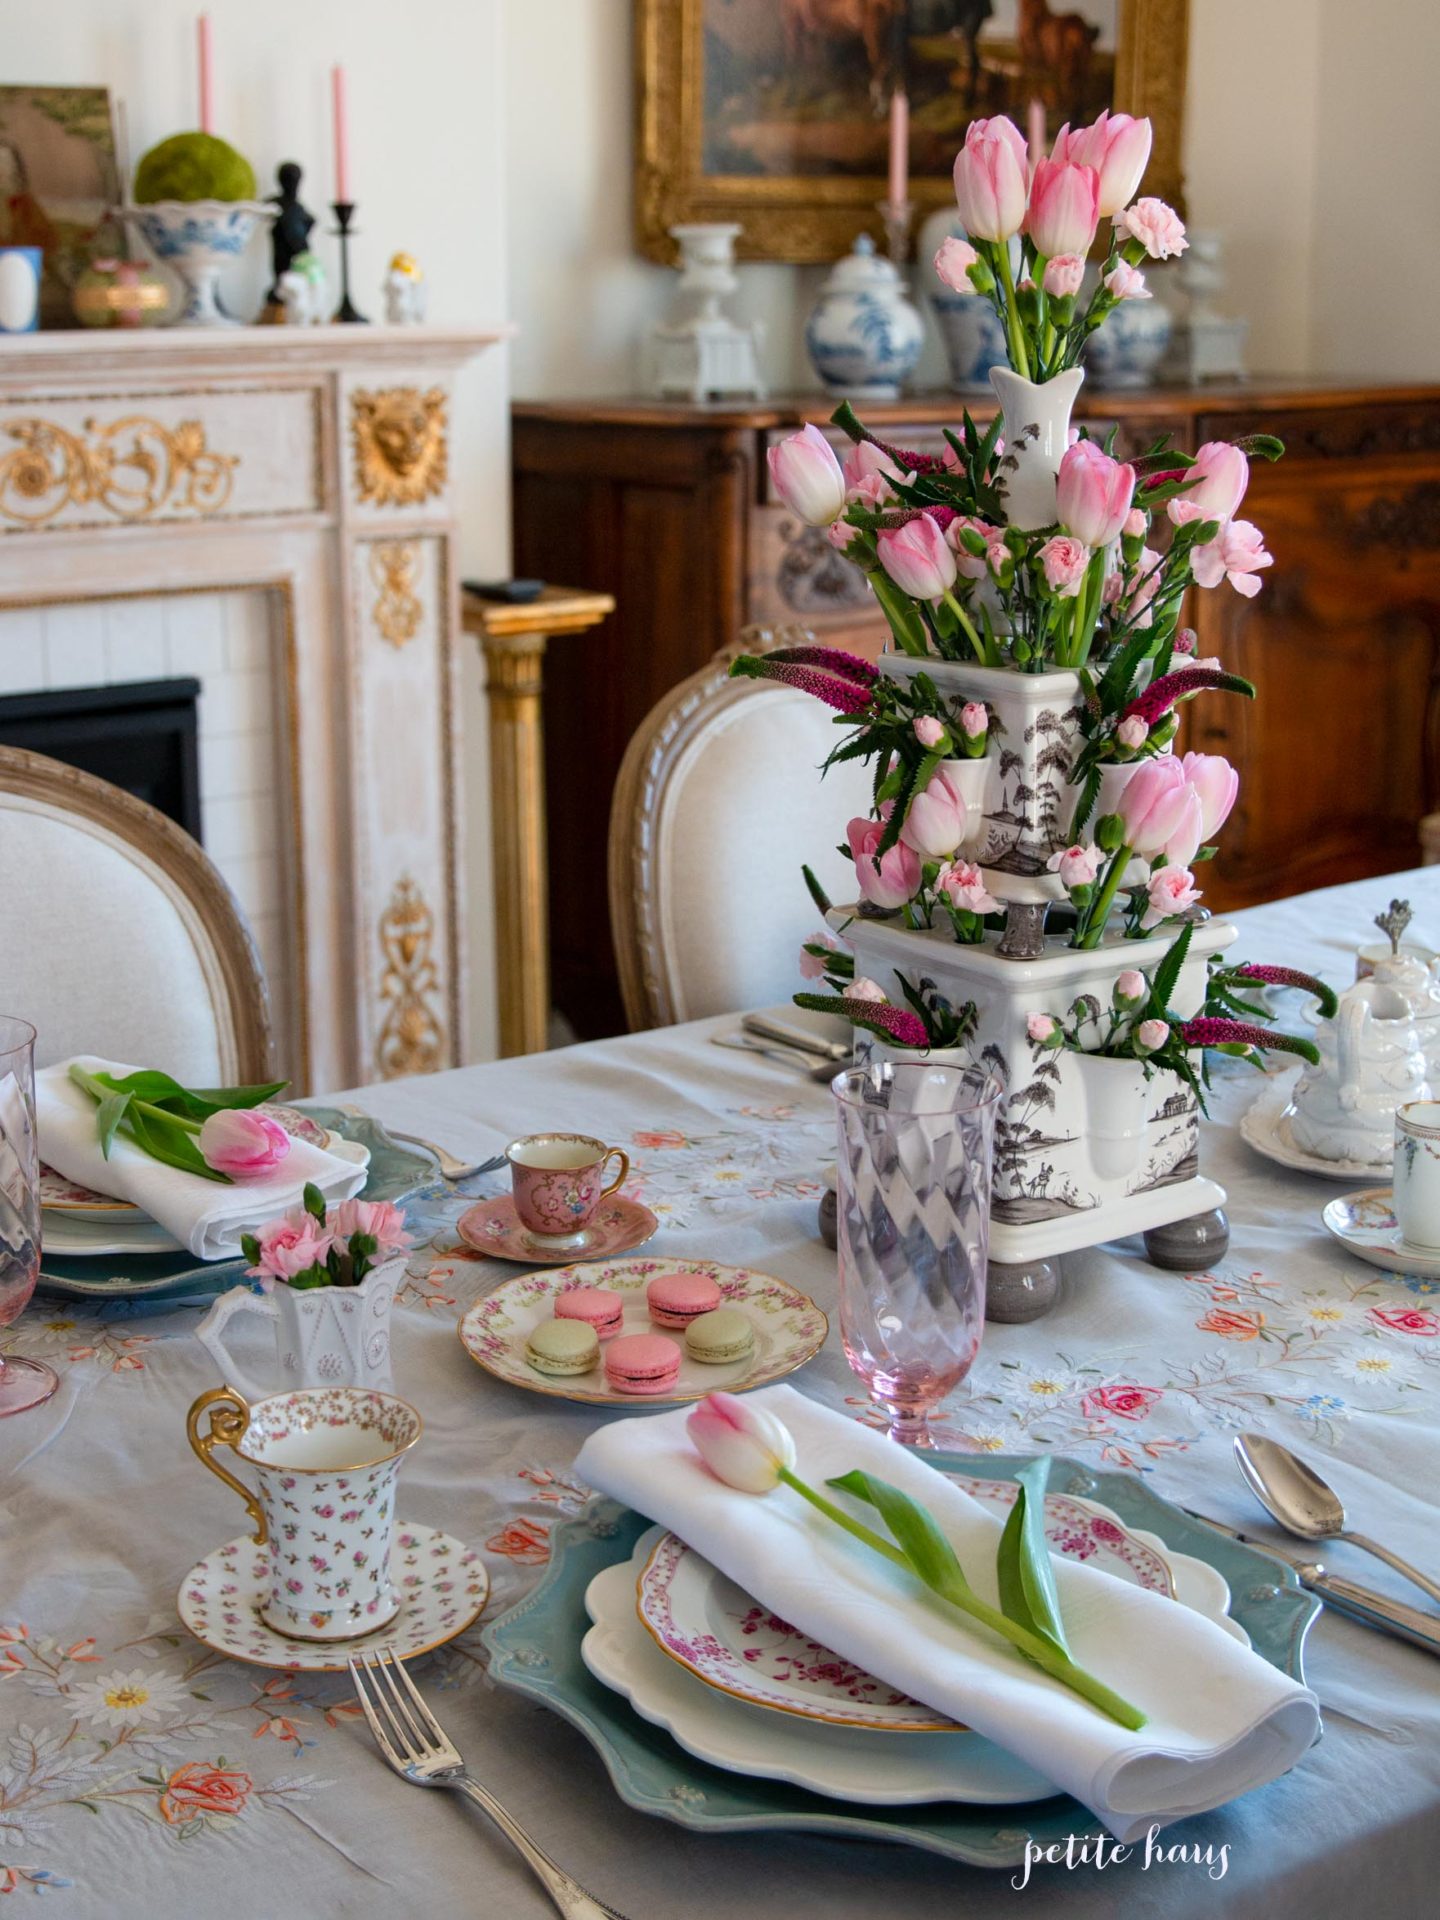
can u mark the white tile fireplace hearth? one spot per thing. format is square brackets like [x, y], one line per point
[268, 512]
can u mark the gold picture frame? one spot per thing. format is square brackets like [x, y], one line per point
[813, 218]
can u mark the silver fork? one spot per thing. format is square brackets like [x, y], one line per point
[420, 1751]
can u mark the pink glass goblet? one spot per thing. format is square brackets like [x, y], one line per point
[23, 1383]
[916, 1142]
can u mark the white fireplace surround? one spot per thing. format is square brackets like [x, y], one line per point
[269, 512]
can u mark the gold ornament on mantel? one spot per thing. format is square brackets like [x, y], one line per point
[412, 1036]
[131, 467]
[401, 452]
[398, 612]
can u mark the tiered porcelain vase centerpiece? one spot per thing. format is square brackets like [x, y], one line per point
[1020, 726]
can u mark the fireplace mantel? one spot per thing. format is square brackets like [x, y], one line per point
[310, 467]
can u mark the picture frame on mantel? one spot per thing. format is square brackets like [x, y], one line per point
[774, 113]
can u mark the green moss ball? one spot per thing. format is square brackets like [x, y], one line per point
[193, 166]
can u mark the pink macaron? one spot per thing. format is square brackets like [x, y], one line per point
[642, 1363]
[596, 1306]
[675, 1299]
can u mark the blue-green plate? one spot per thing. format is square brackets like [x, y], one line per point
[177, 1279]
[535, 1648]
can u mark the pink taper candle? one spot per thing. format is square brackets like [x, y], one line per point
[342, 155]
[1035, 130]
[899, 148]
[207, 115]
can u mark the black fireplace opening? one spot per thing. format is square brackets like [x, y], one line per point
[140, 736]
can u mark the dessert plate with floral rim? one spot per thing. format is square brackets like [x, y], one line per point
[443, 1586]
[535, 1649]
[710, 1626]
[1365, 1224]
[1266, 1127]
[492, 1227]
[789, 1329]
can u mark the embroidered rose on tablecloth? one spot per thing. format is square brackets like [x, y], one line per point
[202, 1787]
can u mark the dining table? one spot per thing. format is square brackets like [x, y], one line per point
[144, 1775]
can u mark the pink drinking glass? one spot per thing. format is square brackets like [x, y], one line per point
[23, 1383]
[916, 1142]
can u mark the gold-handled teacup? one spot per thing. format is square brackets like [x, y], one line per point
[558, 1180]
[325, 1461]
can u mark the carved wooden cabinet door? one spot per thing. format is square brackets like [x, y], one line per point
[1340, 752]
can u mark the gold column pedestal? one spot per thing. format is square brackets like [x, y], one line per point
[513, 640]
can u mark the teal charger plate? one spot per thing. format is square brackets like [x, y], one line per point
[535, 1649]
[164, 1280]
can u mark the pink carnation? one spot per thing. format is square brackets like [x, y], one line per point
[383, 1223]
[963, 887]
[289, 1246]
[1064, 561]
[974, 719]
[928, 731]
[1172, 890]
[865, 989]
[1063, 275]
[1076, 866]
[1237, 554]
[1127, 282]
[1040, 1027]
[1132, 732]
[1151, 1035]
[1158, 228]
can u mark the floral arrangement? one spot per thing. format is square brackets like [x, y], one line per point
[214, 1132]
[1139, 1024]
[311, 1246]
[928, 1020]
[752, 1451]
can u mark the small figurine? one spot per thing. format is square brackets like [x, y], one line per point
[303, 292]
[404, 292]
[290, 234]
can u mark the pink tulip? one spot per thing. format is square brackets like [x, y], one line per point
[897, 878]
[1187, 836]
[953, 263]
[740, 1443]
[1127, 282]
[1158, 228]
[917, 558]
[1220, 475]
[867, 990]
[1118, 147]
[864, 461]
[1172, 890]
[1153, 804]
[808, 477]
[962, 886]
[1151, 1035]
[243, 1143]
[384, 1224]
[1064, 208]
[1064, 561]
[1093, 494]
[291, 1245]
[1217, 783]
[1063, 274]
[1237, 554]
[1076, 866]
[990, 179]
[935, 823]
[974, 719]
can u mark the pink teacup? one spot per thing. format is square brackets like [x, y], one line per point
[558, 1180]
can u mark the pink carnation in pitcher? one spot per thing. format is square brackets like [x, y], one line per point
[377, 1219]
[285, 1248]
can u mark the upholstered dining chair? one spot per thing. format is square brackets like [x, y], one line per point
[118, 935]
[718, 805]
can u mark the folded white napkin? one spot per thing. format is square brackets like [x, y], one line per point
[1220, 1720]
[205, 1215]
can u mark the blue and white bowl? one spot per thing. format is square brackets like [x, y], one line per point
[199, 239]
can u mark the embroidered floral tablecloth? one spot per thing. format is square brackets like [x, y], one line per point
[142, 1775]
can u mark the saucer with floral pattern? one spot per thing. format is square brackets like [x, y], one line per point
[442, 1583]
[620, 1225]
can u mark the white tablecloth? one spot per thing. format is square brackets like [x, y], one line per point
[228, 1788]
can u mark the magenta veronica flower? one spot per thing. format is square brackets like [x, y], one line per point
[1207, 1031]
[836, 690]
[898, 1024]
[1161, 695]
[1291, 977]
[832, 660]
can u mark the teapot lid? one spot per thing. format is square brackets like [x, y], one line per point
[1411, 977]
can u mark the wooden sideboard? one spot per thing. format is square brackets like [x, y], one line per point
[669, 508]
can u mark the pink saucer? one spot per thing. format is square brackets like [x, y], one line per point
[492, 1227]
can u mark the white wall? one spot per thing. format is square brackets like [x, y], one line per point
[427, 171]
[1307, 128]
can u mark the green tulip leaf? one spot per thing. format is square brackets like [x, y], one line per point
[914, 1530]
[109, 1114]
[1023, 1570]
[165, 1139]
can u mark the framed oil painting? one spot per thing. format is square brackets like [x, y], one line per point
[58, 183]
[774, 113]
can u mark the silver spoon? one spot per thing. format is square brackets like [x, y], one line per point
[1300, 1500]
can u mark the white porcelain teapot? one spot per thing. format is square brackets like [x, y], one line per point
[1420, 990]
[1372, 1060]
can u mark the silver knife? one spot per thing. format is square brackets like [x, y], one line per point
[1346, 1596]
[796, 1035]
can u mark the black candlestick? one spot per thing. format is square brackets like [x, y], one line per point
[344, 211]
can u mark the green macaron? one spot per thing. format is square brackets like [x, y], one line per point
[563, 1346]
[715, 1339]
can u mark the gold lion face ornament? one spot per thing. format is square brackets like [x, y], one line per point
[401, 450]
